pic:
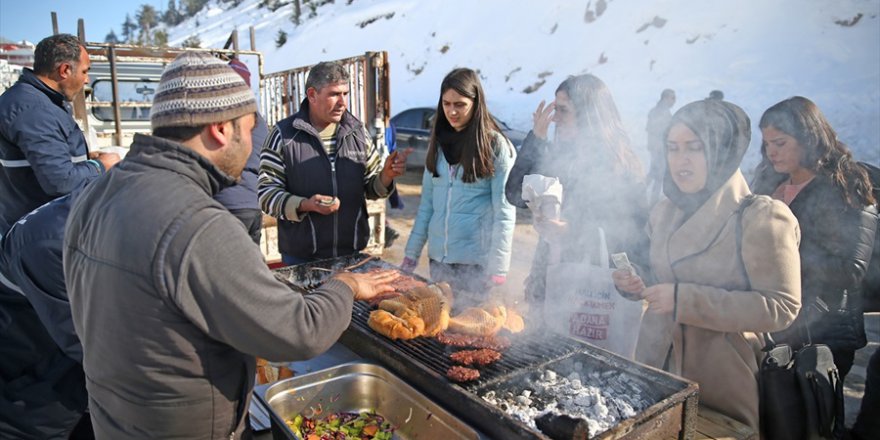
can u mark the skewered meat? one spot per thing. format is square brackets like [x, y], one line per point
[462, 374]
[498, 343]
[481, 357]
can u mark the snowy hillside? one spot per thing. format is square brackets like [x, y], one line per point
[757, 52]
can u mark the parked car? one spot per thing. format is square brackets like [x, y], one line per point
[414, 130]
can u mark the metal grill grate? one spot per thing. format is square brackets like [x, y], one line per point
[424, 361]
[526, 351]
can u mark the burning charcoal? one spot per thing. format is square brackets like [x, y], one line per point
[563, 427]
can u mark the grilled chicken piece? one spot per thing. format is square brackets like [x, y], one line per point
[479, 321]
[406, 326]
[514, 322]
[430, 305]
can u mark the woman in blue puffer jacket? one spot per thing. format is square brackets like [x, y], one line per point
[463, 215]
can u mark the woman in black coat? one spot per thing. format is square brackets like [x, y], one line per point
[808, 168]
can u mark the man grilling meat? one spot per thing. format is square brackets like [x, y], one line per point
[170, 298]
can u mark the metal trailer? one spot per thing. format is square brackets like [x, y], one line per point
[116, 103]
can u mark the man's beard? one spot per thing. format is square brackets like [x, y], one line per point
[231, 162]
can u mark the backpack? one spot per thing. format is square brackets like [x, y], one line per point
[871, 285]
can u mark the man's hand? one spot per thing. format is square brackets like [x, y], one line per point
[368, 285]
[627, 282]
[324, 205]
[395, 165]
[108, 160]
[541, 118]
[660, 298]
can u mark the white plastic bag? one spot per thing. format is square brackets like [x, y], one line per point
[543, 196]
[582, 302]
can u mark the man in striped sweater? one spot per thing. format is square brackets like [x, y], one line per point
[317, 169]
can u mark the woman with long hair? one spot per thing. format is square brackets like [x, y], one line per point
[807, 167]
[463, 215]
[723, 264]
[602, 179]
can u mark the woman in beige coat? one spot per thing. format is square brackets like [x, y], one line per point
[709, 292]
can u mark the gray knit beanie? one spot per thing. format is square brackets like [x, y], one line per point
[198, 89]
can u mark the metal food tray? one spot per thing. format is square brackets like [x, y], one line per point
[356, 387]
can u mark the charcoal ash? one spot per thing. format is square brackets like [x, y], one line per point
[603, 399]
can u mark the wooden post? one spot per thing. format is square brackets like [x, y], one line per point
[117, 118]
[79, 102]
[232, 41]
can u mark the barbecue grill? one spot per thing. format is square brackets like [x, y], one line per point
[424, 362]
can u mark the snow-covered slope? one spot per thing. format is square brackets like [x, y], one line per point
[758, 52]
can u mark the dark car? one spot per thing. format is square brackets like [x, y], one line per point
[414, 130]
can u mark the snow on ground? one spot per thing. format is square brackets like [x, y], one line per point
[757, 52]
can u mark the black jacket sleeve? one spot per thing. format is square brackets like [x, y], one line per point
[533, 148]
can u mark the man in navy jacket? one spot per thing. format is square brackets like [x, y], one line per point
[43, 387]
[43, 153]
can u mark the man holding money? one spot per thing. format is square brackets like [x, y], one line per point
[317, 169]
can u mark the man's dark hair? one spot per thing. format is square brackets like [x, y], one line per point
[178, 134]
[716, 94]
[182, 134]
[55, 50]
[324, 73]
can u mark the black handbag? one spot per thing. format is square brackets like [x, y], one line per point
[801, 393]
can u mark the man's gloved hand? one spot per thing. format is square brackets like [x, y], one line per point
[408, 265]
[497, 280]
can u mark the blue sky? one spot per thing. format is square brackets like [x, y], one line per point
[31, 19]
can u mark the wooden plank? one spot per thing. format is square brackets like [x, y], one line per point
[712, 425]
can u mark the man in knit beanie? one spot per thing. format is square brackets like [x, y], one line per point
[170, 298]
